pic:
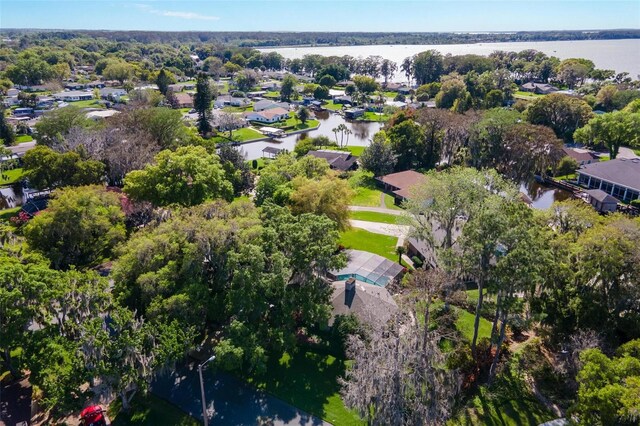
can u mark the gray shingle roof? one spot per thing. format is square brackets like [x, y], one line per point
[371, 304]
[601, 196]
[623, 172]
[336, 159]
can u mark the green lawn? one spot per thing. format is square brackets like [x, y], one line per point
[238, 109]
[149, 411]
[7, 214]
[91, 103]
[526, 95]
[23, 138]
[359, 239]
[239, 135]
[571, 176]
[333, 107]
[308, 380]
[296, 124]
[13, 175]
[390, 94]
[355, 150]
[375, 217]
[366, 197]
[374, 116]
[272, 94]
[465, 321]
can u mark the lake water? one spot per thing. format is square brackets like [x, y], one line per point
[618, 55]
[361, 136]
[543, 196]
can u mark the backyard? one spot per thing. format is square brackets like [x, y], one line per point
[359, 239]
[375, 217]
[12, 176]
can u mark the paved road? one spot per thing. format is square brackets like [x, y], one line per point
[399, 231]
[377, 210]
[232, 402]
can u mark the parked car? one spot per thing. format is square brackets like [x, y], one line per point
[93, 415]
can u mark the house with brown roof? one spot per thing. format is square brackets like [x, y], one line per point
[582, 156]
[183, 100]
[619, 178]
[272, 115]
[338, 160]
[399, 184]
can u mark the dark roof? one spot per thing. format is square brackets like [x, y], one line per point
[621, 171]
[370, 303]
[336, 159]
[402, 180]
[35, 205]
[272, 150]
[601, 196]
[579, 156]
[368, 267]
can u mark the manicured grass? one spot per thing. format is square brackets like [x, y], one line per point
[23, 138]
[296, 124]
[366, 197]
[571, 176]
[359, 239]
[272, 94]
[238, 109]
[526, 95]
[239, 135]
[149, 410]
[465, 321]
[508, 402]
[7, 214]
[333, 107]
[91, 103]
[308, 380]
[390, 94]
[375, 217]
[356, 150]
[605, 158]
[13, 176]
[374, 116]
[389, 202]
[261, 162]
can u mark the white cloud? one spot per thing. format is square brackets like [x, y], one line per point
[176, 13]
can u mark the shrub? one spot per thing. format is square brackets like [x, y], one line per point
[417, 262]
[254, 164]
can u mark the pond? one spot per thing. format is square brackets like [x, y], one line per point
[362, 134]
[543, 196]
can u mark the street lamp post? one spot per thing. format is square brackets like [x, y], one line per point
[204, 401]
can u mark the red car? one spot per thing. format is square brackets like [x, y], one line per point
[93, 415]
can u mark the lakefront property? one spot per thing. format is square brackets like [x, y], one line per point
[427, 216]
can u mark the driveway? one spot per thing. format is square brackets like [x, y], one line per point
[231, 401]
[626, 153]
[377, 210]
[399, 231]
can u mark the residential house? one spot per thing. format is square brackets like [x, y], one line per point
[353, 113]
[45, 102]
[538, 88]
[399, 184]
[112, 93]
[342, 99]
[10, 101]
[73, 96]
[338, 160]
[368, 268]
[271, 152]
[266, 104]
[175, 88]
[582, 156]
[272, 115]
[102, 114]
[74, 86]
[619, 178]
[371, 304]
[183, 100]
[601, 201]
[23, 112]
[226, 100]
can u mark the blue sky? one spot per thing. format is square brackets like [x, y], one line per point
[321, 15]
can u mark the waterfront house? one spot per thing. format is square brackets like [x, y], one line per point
[354, 113]
[371, 304]
[338, 160]
[343, 99]
[272, 115]
[601, 201]
[266, 104]
[112, 93]
[582, 156]
[619, 178]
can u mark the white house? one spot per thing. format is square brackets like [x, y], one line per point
[267, 104]
[112, 92]
[272, 115]
[73, 96]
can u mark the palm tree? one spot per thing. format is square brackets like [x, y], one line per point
[400, 250]
[344, 131]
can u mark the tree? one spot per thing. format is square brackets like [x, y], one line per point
[613, 130]
[245, 80]
[236, 169]
[46, 169]
[344, 131]
[564, 114]
[303, 114]
[453, 94]
[379, 157]
[365, 85]
[574, 71]
[321, 92]
[327, 80]
[227, 122]
[605, 97]
[288, 86]
[566, 166]
[187, 176]
[80, 227]
[202, 103]
[387, 69]
[303, 147]
[7, 134]
[164, 79]
[328, 196]
[405, 139]
[427, 67]
[608, 392]
[56, 124]
[529, 150]
[29, 69]
[407, 68]
[118, 70]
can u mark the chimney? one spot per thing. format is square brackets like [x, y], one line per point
[350, 284]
